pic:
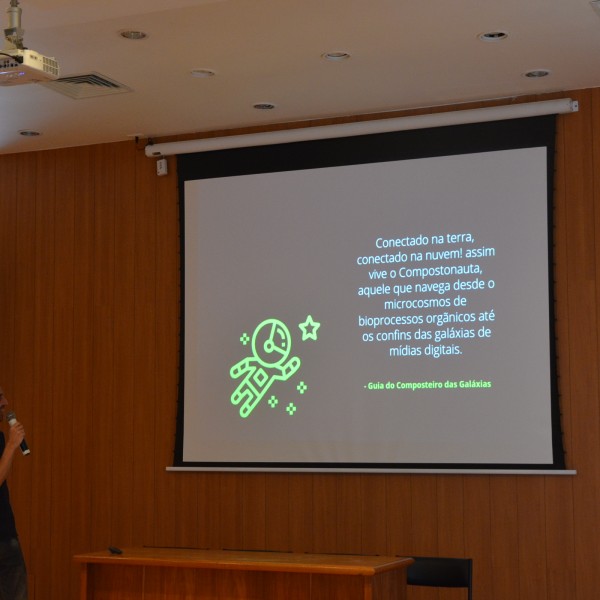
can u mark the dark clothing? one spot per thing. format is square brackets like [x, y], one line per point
[8, 530]
[13, 574]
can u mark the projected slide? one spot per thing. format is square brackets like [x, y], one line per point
[379, 314]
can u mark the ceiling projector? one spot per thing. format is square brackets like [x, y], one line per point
[18, 64]
[26, 66]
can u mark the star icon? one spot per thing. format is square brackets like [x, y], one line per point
[309, 329]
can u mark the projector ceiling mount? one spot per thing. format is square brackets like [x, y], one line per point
[18, 64]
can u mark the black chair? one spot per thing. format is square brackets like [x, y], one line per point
[441, 572]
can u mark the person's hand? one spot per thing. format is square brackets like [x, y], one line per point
[16, 434]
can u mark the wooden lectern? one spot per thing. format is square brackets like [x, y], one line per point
[169, 574]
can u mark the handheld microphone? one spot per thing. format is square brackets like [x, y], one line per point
[12, 419]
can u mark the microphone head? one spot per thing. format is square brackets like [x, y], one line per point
[11, 416]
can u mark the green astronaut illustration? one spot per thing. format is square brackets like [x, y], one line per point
[269, 362]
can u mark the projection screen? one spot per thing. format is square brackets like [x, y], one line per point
[381, 302]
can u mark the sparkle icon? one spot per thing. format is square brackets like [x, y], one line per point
[309, 329]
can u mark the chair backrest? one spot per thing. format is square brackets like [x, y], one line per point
[441, 572]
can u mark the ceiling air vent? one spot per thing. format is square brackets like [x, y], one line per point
[89, 85]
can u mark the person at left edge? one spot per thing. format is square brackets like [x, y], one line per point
[13, 573]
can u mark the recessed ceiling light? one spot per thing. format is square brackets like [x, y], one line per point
[493, 36]
[133, 34]
[537, 73]
[29, 133]
[202, 73]
[336, 56]
[264, 106]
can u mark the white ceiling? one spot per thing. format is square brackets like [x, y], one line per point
[404, 54]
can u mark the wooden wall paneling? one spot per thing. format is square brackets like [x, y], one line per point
[144, 331]
[424, 514]
[254, 518]
[231, 516]
[180, 500]
[595, 99]
[22, 394]
[8, 249]
[79, 520]
[542, 530]
[301, 512]
[325, 520]
[176, 501]
[373, 530]
[8, 281]
[595, 117]
[561, 280]
[63, 284]
[349, 513]
[208, 509]
[505, 538]
[583, 350]
[560, 554]
[122, 401]
[477, 531]
[451, 522]
[425, 522]
[594, 446]
[101, 388]
[451, 515]
[560, 538]
[278, 512]
[399, 519]
[43, 374]
[531, 510]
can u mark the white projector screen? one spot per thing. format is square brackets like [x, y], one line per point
[380, 302]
